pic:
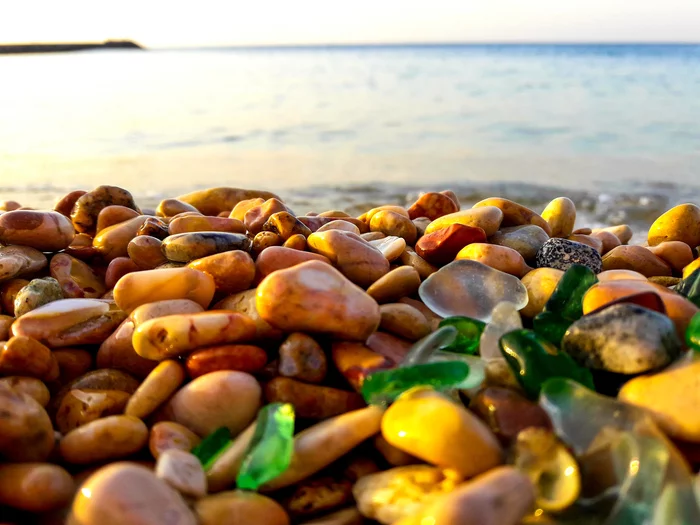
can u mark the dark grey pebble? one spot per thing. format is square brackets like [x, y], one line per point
[624, 339]
[562, 253]
[186, 247]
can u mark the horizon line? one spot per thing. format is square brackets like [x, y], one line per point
[455, 43]
[437, 44]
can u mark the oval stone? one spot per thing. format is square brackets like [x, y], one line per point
[624, 339]
[186, 247]
[636, 258]
[137, 288]
[315, 297]
[358, 260]
[48, 231]
[224, 398]
[488, 218]
[680, 223]
[562, 253]
[123, 493]
[457, 439]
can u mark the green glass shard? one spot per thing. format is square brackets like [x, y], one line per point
[690, 287]
[692, 333]
[384, 386]
[565, 305]
[533, 360]
[467, 340]
[422, 351]
[212, 446]
[270, 450]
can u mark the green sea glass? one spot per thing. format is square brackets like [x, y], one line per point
[384, 386]
[565, 305]
[692, 333]
[534, 360]
[690, 287]
[270, 450]
[212, 446]
[467, 340]
[643, 477]
[423, 350]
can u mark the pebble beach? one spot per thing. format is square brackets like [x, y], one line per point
[228, 357]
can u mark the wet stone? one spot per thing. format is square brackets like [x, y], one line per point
[432, 205]
[16, 261]
[442, 246]
[44, 230]
[624, 339]
[507, 412]
[154, 227]
[88, 206]
[37, 293]
[186, 247]
[302, 358]
[563, 253]
[566, 303]
[285, 225]
[76, 278]
[534, 360]
[471, 289]
[526, 240]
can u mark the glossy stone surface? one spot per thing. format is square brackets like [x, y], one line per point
[562, 253]
[566, 303]
[671, 396]
[638, 259]
[526, 240]
[442, 246]
[384, 386]
[186, 247]
[470, 289]
[507, 412]
[269, 453]
[560, 214]
[315, 297]
[37, 293]
[624, 339]
[534, 360]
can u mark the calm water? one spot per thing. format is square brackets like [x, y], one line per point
[616, 127]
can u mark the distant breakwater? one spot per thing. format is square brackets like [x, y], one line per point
[9, 49]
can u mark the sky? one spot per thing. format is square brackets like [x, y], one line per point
[191, 23]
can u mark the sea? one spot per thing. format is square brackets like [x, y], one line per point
[614, 127]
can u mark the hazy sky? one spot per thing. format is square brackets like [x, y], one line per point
[168, 23]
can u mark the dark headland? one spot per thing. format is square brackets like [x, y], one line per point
[75, 46]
